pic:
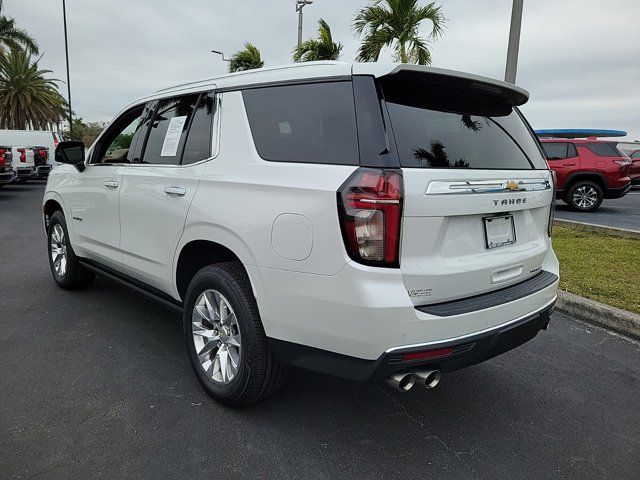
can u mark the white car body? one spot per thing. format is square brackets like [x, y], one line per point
[280, 219]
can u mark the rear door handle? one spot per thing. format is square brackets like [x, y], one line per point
[111, 184]
[175, 191]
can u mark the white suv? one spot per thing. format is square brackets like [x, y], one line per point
[369, 221]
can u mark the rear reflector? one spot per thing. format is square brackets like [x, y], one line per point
[441, 352]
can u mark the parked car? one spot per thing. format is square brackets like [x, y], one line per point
[588, 170]
[6, 170]
[45, 138]
[24, 166]
[369, 221]
[634, 170]
[41, 159]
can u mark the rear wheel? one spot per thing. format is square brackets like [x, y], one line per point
[225, 339]
[65, 266]
[584, 196]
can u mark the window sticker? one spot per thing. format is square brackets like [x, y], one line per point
[172, 137]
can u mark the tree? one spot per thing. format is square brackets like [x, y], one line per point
[321, 48]
[27, 98]
[395, 24]
[246, 59]
[14, 38]
[86, 132]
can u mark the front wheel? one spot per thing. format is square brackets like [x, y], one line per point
[584, 196]
[65, 266]
[225, 339]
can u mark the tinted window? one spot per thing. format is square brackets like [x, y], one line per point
[436, 139]
[198, 146]
[603, 149]
[115, 144]
[312, 123]
[636, 154]
[555, 150]
[168, 130]
[571, 150]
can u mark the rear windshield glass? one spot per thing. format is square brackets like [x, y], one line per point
[310, 123]
[432, 138]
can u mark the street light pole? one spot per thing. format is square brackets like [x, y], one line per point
[66, 51]
[514, 42]
[299, 5]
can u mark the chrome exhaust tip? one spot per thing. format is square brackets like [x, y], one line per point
[402, 381]
[429, 378]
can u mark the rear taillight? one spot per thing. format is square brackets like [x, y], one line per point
[23, 155]
[623, 162]
[2, 158]
[370, 210]
[42, 153]
[552, 207]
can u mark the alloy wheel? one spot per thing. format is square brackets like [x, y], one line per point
[216, 336]
[585, 196]
[58, 250]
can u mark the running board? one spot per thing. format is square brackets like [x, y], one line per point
[135, 285]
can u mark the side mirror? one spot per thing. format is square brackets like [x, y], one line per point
[71, 153]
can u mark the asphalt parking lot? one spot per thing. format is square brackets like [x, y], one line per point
[96, 384]
[620, 213]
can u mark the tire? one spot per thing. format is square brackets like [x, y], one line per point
[584, 196]
[65, 265]
[258, 374]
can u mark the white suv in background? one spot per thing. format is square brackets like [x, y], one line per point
[368, 221]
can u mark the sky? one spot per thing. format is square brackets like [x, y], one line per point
[579, 59]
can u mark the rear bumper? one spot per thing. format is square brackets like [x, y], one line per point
[617, 192]
[6, 177]
[42, 171]
[24, 172]
[456, 353]
[363, 312]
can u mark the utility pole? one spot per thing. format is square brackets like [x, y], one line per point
[299, 5]
[514, 42]
[66, 51]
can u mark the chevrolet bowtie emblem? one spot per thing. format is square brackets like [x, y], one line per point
[512, 186]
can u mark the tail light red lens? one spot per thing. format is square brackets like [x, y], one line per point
[441, 352]
[43, 153]
[23, 155]
[2, 158]
[370, 210]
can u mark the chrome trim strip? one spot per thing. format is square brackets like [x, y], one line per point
[480, 332]
[486, 186]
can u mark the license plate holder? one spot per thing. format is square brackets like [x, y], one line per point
[499, 230]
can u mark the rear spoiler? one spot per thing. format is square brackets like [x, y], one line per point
[445, 90]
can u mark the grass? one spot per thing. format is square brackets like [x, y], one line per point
[601, 267]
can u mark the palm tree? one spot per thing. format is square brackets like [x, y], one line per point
[395, 24]
[246, 59]
[27, 98]
[321, 48]
[12, 37]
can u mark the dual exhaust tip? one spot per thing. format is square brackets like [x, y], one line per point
[404, 381]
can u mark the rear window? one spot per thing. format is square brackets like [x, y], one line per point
[429, 137]
[604, 149]
[309, 123]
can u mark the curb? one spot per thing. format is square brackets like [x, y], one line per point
[620, 321]
[591, 227]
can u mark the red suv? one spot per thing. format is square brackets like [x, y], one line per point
[588, 170]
